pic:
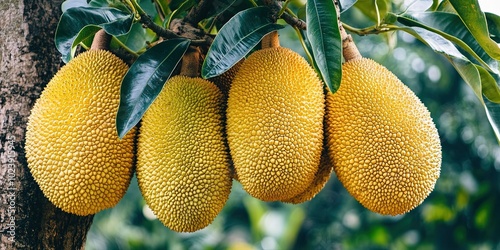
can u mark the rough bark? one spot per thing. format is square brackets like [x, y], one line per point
[28, 59]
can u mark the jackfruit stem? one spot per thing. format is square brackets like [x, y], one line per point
[270, 40]
[101, 40]
[191, 63]
[349, 49]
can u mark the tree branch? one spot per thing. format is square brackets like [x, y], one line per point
[294, 21]
[349, 49]
[169, 34]
[198, 12]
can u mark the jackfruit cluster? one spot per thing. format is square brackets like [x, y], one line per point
[71, 145]
[267, 123]
[380, 139]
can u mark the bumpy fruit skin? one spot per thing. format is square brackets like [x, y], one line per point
[275, 124]
[320, 179]
[72, 147]
[382, 140]
[223, 81]
[183, 169]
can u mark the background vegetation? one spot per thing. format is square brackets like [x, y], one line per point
[461, 213]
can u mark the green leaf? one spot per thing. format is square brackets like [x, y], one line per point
[451, 27]
[68, 4]
[417, 5]
[324, 36]
[219, 6]
[74, 20]
[136, 39]
[87, 33]
[236, 38]
[178, 12]
[474, 19]
[145, 79]
[445, 6]
[493, 114]
[117, 4]
[346, 4]
[479, 79]
[367, 7]
[493, 26]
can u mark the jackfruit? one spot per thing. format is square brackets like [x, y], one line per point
[223, 81]
[381, 138]
[72, 148]
[320, 179]
[183, 169]
[275, 124]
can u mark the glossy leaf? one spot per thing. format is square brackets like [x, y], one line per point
[68, 4]
[436, 42]
[493, 26]
[324, 38]
[489, 83]
[493, 114]
[435, 5]
[417, 5]
[136, 39]
[117, 4]
[87, 33]
[451, 27]
[74, 20]
[346, 4]
[145, 79]
[445, 6]
[480, 80]
[367, 7]
[185, 5]
[236, 38]
[219, 6]
[474, 19]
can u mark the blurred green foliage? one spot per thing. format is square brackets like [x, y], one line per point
[459, 214]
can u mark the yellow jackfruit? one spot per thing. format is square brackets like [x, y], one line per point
[382, 140]
[72, 147]
[320, 179]
[182, 165]
[223, 81]
[275, 124]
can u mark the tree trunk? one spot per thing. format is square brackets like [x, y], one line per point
[28, 60]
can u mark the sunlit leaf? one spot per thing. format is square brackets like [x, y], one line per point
[369, 10]
[417, 5]
[445, 6]
[324, 38]
[493, 26]
[480, 80]
[451, 27]
[474, 19]
[236, 38]
[68, 4]
[74, 20]
[493, 114]
[145, 79]
[346, 4]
